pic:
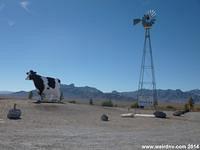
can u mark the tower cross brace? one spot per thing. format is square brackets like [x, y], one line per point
[147, 93]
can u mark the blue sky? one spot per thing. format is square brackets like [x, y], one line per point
[93, 42]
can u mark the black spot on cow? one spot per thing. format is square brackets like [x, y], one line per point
[51, 82]
[38, 82]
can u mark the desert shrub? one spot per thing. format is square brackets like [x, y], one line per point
[186, 107]
[170, 107]
[134, 105]
[73, 102]
[61, 96]
[30, 95]
[91, 102]
[191, 103]
[107, 103]
[155, 104]
[197, 109]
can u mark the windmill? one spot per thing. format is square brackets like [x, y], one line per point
[147, 93]
[147, 20]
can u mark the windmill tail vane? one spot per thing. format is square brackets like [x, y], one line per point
[136, 21]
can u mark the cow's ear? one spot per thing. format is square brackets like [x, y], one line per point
[32, 72]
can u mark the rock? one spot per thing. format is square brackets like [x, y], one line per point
[104, 117]
[14, 113]
[160, 114]
[38, 102]
[186, 111]
[178, 113]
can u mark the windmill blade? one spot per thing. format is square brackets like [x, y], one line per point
[151, 13]
[136, 21]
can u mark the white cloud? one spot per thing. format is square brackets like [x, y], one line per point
[24, 5]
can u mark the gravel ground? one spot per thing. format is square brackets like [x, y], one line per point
[78, 127]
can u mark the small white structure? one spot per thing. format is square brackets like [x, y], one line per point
[145, 115]
[2, 121]
[128, 115]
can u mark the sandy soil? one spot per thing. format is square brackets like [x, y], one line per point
[78, 127]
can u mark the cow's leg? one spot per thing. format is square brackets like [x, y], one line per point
[50, 94]
[41, 97]
[51, 97]
[57, 95]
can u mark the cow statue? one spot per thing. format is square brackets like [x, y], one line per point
[45, 86]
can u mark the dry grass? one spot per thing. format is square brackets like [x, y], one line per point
[177, 106]
[127, 104]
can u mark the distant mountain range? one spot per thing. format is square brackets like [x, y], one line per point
[5, 92]
[71, 92]
[170, 95]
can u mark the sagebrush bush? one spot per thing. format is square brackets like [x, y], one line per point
[30, 95]
[91, 102]
[170, 107]
[115, 105]
[61, 96]
[186, 108]
[191, 103]
[134, 105]
[73, 102]
[108, 103]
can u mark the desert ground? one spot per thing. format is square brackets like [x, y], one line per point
[69, 126]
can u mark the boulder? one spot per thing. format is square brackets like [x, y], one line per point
[160, 114]
[178, 113]
[186, 111]
[104, 117]
[14, 113]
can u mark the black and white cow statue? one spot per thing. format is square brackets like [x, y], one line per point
[45, 86]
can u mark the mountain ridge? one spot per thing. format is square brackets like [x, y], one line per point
[85, 93]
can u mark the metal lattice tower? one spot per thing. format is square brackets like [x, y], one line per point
[147, 93]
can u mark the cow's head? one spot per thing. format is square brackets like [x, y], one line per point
[30, 75]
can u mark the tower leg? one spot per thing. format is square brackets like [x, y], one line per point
[147, 93]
